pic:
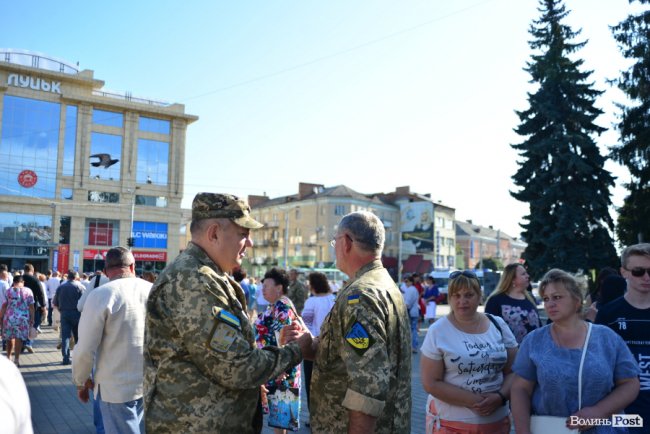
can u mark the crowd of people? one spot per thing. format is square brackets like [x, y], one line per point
[207, 348]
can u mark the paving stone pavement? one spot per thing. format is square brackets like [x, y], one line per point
[56, 409]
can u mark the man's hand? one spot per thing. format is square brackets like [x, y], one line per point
[290, 333]
[83, 392]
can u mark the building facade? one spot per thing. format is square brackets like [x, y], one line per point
[476, 243]
[298, 228]
[83, 169]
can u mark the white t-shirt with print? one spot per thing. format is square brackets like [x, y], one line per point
[473, 362]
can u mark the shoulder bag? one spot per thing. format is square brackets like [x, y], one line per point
[557, 424]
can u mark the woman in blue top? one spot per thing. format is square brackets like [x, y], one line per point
[547, 365]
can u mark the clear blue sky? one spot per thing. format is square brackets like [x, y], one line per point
[370, 94]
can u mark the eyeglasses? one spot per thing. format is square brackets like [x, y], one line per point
[333, 241]
[465, 273]
[639, 271]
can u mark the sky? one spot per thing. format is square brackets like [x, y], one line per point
[369, 94]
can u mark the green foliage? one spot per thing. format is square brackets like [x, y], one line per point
[633, 37]
[493, 264]
[561, 172]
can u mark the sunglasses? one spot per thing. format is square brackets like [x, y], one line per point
[639, 272]
[469, 274]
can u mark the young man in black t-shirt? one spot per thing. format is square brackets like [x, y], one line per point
[629, 316]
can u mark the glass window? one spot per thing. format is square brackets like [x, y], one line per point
[25, 228]
[69, 140]
[158, 201]
[64, 230]
[102, 232]
[29, 147]
[152, 165]
[66, 193]
[110, 119]
[103, 197]
[154, 125]
[339, 210]
[105, 155]
[150, 235]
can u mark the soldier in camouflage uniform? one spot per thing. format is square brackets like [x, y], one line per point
[202, 369]
[362, 371]
[297, 291]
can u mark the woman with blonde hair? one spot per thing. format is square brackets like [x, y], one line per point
[512, 302]
[465, 365]
[571, 372]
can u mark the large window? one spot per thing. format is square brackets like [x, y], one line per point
[106, 153]
[103, 197]
[152, 165]
[25, 228]
[101, 232]
[150, 235]
[154, 125]
[157, 201]
[110, 119]
[29, 147]
[69, 140]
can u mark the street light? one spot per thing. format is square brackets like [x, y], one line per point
[130, 241]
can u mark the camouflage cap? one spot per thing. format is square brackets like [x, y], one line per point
[216, 205]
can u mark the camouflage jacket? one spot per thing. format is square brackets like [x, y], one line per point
[202, 370]
[364, 357]
[298, 293]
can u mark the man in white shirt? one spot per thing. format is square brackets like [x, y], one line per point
[94, 282]
[112, 335]
[51, 284]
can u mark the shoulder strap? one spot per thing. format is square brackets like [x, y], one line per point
[496, 324]
[97, 280]
[582, 362]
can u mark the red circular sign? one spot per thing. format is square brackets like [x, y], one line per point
[27, 178]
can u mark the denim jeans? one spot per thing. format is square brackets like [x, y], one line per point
[125, 417]
[49, 311]
[69, 324]
[414, 332]
[97, 415]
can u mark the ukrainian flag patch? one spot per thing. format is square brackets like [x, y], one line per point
[358, 338]
[228, 318]
[353, 299]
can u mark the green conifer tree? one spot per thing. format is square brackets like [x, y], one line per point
[633, 37]
[561, 171]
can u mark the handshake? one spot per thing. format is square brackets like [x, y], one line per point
[297, 332]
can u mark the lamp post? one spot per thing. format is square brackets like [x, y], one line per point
[130, 239]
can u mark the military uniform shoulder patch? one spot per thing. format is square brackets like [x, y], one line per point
[222, 337]
[359, 338]
[226, 317]
[353, 299]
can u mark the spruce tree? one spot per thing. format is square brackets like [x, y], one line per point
[561, 171]
[633, 37]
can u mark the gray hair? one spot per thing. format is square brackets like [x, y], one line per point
[119, 257]
[642, 249]
[366, 229]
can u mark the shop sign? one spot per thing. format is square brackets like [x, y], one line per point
[150, 256]
[34, 83]
[27, 178]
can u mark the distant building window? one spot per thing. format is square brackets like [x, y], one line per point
[66, 193]
[103, 197]
[154, 125]
[157, 201]
[109, 119]
[339, 210]
[101, 232]
[297, 213]
[298, 232]
[153, 162]
[69, 140]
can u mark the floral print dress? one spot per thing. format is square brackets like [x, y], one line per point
[285, 409]
[16, 319]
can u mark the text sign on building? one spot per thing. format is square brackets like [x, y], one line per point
[150, 256]
[150, 235]
[34, 83]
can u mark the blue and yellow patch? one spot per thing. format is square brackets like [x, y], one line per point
[359, 338]
[227, 317]
[353, 299]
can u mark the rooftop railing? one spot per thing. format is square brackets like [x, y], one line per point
[26, 58]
